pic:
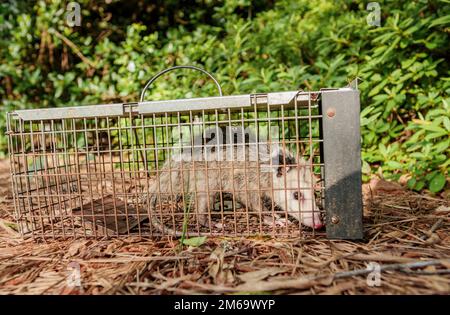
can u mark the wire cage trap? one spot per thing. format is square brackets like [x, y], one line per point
[282, 164]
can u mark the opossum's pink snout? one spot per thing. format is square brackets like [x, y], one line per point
[318, 226]
[314, 222]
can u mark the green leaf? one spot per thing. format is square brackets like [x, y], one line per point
[366, 121]
[382, 148]
[446, 121]
[12, 225]
[194, 241]
[430, 176]
[419, 185]
[434, 128]
[365, 167]
[420, 155]
[389, 106]
[411, 183]
[380, 97]
[440, 21]
[435, 135]
[441, 146]
[59, 91]
[366, 111]
[394, 165]
[81, 142]
[437, 183]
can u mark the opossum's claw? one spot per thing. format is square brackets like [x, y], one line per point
[277, 222]
[203, 220]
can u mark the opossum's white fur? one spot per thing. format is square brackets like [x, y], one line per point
[252, 181]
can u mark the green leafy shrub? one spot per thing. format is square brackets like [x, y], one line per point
[250, 46]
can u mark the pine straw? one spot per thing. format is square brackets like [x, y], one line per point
[406, 233]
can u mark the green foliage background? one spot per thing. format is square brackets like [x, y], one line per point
[250, 46]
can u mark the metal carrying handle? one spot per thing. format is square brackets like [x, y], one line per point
[147, 85]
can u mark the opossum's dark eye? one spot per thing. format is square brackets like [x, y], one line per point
[297, 195]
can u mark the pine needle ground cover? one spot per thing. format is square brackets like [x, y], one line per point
[406, 234]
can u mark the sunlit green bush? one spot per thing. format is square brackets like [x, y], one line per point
[250, 46]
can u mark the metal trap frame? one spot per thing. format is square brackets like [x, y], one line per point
[91, 171]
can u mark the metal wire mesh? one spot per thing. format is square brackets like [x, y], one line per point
[171, 172]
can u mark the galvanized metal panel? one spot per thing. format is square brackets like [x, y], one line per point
[281, 98]
[342, 160]
[220, 102]
[88, 111]
[204, 103]
[150, 107]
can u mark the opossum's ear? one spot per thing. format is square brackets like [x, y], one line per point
[281, 170]
[285, 163]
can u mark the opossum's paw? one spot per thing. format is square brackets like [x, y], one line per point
[203, 220]
[277, 222]
[282, 222]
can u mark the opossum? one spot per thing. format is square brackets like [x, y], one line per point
[258, 179]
